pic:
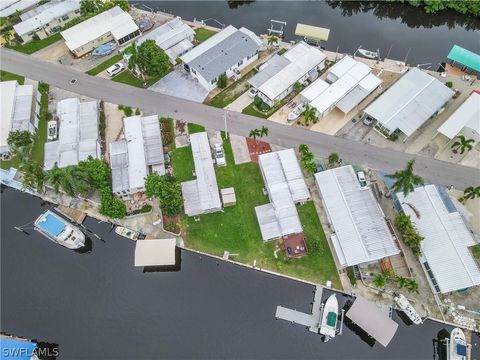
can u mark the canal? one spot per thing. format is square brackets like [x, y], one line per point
[387, 26]
[98, 305]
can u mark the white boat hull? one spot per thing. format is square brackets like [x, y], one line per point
[70, 236]
[368, 54]
[330, 310]
[457, 337]
[408, 309]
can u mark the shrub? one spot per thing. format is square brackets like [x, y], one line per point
[19, 138]
[146, 208]
[138, 112]
[264, 107]
[127, 110]
[170, 226]
[257, 101]
[393, 137]
[449, 84]
[222, 81]
[167, 190]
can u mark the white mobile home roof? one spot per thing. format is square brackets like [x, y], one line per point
[269, 69]
[358, 93]
[201, 195]
[7, 97]
[342, 66]
[49, 12]
[114, 20]
[466, 116]
[312, 91]
[446, 239]
[286, 186]
[8, 7]
[155, 252]
[409, 102]
[118, 153]
[360, 233]
[303, 58]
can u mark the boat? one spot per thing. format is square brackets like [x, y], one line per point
[328, 327]
[59, 230]
[296, 112]
[52, 131]
[129, 233]
[105, 49]
[368, 54]
[408, 309]
[457, 345]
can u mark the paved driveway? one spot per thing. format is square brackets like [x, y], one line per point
[240, 103]
[179, 84]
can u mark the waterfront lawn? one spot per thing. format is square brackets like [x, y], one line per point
[202, 34]
[182, 162]
[232, 92]
[35, 45]
[105, 65]
[195, 128]
[126, 77]
[6, 76]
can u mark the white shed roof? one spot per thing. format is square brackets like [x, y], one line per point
[342, 66]
[312, 91]
[446, 239]
[361, 234]
[286, 186]
[114, 20]
[409, 102]
[303, 58]
[466, 116]
[49, 12]
[155, 252]
[201, 195]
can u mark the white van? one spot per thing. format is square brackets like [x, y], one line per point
[361, 178]
[115, 69]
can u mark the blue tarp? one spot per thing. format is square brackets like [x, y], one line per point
[51, 225]
[16, 349]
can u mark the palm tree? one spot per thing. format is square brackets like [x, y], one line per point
[303, 148]
[379, 281]
[310, 113]
[470, 192]
[54, 178]
[133, 60]
[75, 181]
[22, 153]
[255, 133]
[7, 36]
[401, 281]
[263, 131]
[412, 285]
[333, 158]
[310, 166]
[405, 180]
[463, 144]
[272, 40]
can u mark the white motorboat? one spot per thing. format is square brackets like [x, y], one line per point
[328, 327]
[129, 233]
[296, 112]
[368, 54]
[60, 230]
[52, 130]
[408, 309]
[457, 345]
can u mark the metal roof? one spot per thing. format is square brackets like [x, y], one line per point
[312, 91]
[115, 21]
[373, 320]
[77, 135]
[201, 195]
[155, 252]
[42, 15]
[446, 239]
[361, 234]
[465, 57]
[285, 186]
[342, 66]
[303, 59]
[274, 65]
[219, 53]
[466, 116]
[8, 7]
[119, 165]
[358, 93]
[409, 102]
[312, 32]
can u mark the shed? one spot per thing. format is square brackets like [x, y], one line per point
[155, 252]
[228, 197]
[312, 32]
[372, 320]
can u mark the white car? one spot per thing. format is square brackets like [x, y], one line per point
[252, 92]
[219, 155]
[361, 178]
[115, 69]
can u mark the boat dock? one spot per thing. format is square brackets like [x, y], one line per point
[312, 321]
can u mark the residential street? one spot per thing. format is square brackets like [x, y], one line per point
[383, 159]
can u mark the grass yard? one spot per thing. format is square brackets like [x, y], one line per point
[182, 162]
[35, 45]
[232, 92]
[6, 76]
[202, 34]
[126, 77]
[105, 65]
[195, 128]
[236, 228]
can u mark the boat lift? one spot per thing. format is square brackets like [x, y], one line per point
[278, 32]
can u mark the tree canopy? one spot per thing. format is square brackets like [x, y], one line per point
[167, 190]
[19, 138]
[151, 59]
[405, 180]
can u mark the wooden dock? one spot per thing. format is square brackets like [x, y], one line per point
[73, 214]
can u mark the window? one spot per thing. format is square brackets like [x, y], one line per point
[240, 62]
[65, 17]
[193, 71]
[77, 11]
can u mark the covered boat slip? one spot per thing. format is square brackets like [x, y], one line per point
[373, 320]
[467, 58]
[312, 32]
[155, 252]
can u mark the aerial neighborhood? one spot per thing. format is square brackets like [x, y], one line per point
[342, 169]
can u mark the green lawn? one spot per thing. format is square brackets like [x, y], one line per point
[35, 45]
[236, 228]
[182, 162]
[105, 65]
[202, 34]
[195, 128]
[126, 77]
[232, 92]
[476, 252]
[6, 76]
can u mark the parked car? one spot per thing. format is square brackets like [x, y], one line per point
[115, 69]
[361, 178]
[252, 92]
[368, 120]
[219, 155]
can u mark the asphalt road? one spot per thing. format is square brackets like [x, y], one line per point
[384, 159]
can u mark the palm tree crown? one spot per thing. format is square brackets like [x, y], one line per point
[463, 144]
[405, 180]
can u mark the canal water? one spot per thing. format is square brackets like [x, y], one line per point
[98, 305]
[374, 25]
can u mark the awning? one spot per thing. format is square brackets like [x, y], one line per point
[312, 32]
[155, 252]
[465, 57]
[373, 320]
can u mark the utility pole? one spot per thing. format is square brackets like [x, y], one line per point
[225, 115]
